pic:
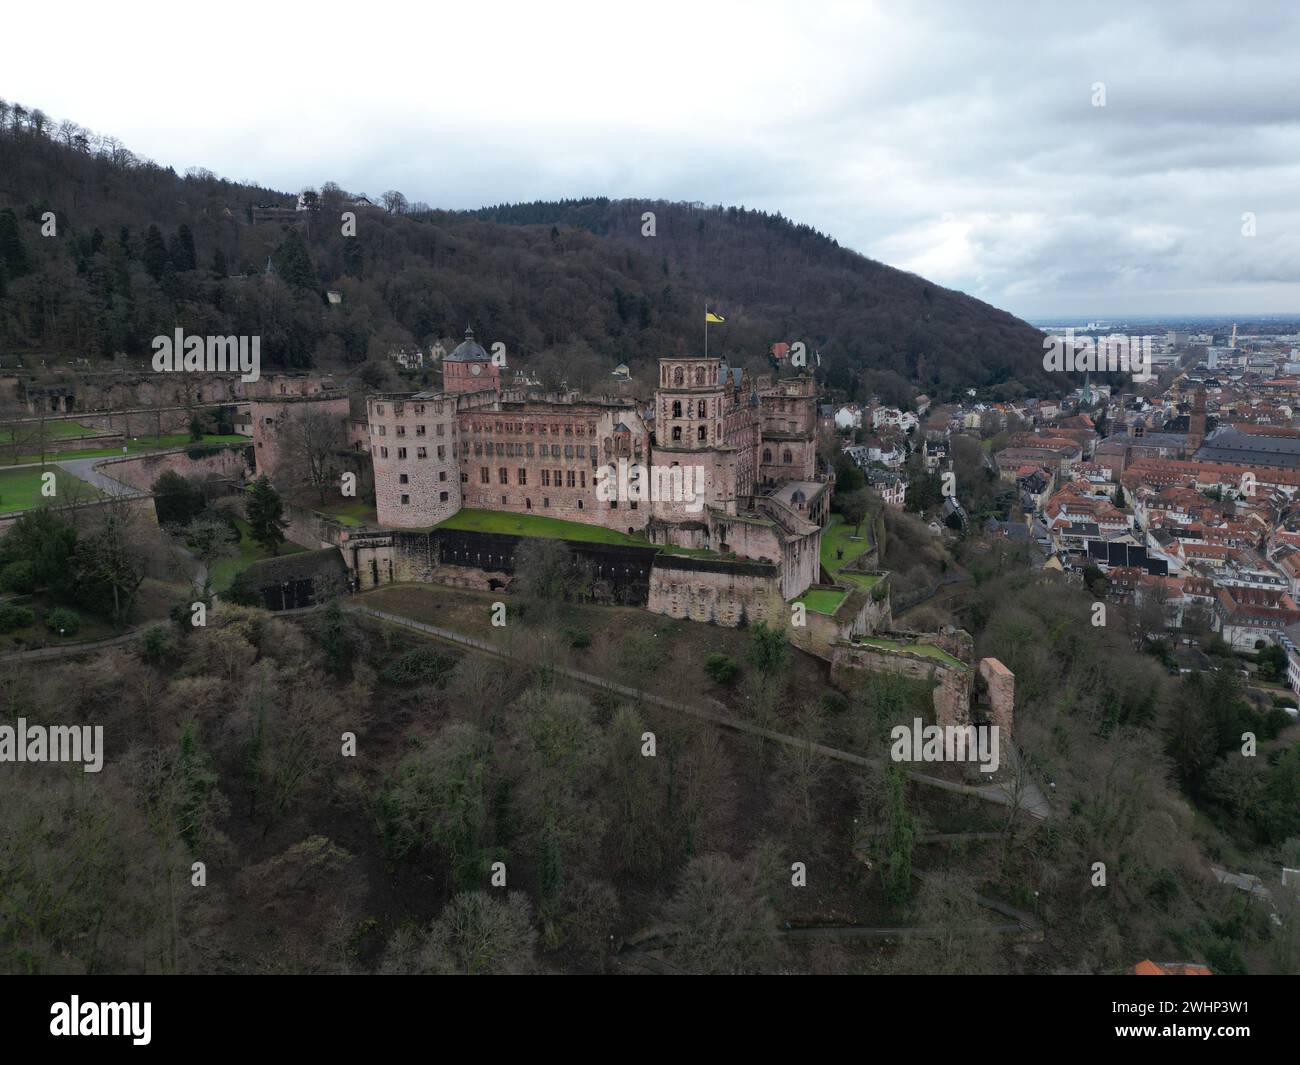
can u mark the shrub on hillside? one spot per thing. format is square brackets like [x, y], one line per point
[578, 637]
[14, 617]
[721, 668]
[158, 643]
[421, 664]
[18, 577]
[63, 621]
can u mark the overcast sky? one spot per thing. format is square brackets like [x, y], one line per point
[956, 140]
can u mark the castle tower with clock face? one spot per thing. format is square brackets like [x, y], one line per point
[469, 368]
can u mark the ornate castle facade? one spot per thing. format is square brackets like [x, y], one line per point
[715, 463]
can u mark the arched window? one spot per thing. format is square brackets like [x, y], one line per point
[699, 376]
[787, 458]
[703, 433]
[704, 408]
[677, 432]
[677, 408]
[679, 376]
[767, 454]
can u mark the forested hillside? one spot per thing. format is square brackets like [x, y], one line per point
[100, 251]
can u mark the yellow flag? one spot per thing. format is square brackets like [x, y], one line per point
[709, 316]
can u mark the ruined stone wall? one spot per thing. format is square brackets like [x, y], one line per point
[801, 564]
[29, 444]
[694, 534]
[140, 507]
[774, 451]
[140, 471]
[269, 417]
[952, 696]
[750, 536]
[1000, 683]
[952, 690]
[957, 642]
[789, 405]
[819, 634]
[725, 593]
[479, 580]
[621, 575]
[712, 473]
[877, 615]
[859, 615]
[384, 558]
[309, 529]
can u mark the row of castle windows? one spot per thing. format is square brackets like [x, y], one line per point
[484, 501]
[442, 498]
[701, 408]
[550, 478]
[420, 452]
[400, 430]
[404, 478]
[526, 450]
[510, 450]
[702, 433]
[399, 409]
[531, 427]
[701, 376]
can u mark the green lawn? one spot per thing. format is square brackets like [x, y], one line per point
[822, 600]
[54, 430]
[139, 444]
[865, 581]
[250, 551]
[498, 521]
[21, 489]
[929, 650]
[838, 536]
[354, 513]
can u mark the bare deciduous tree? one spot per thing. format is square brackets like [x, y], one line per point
[310, 439]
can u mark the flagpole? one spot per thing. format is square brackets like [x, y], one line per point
[706, 330]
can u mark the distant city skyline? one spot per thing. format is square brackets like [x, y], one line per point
[1044, 160]
[1282, 318]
